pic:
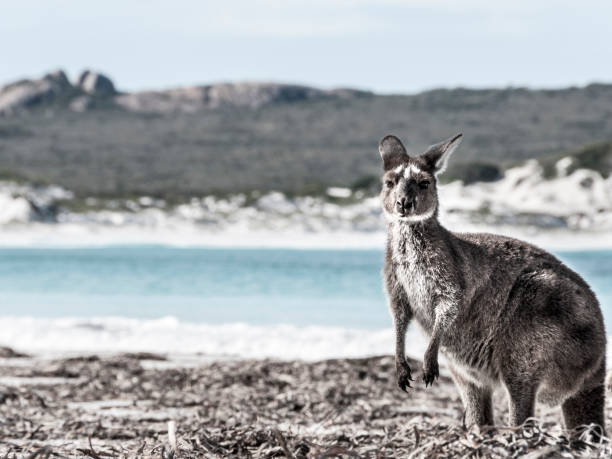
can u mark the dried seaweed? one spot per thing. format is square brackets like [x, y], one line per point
[117, 406]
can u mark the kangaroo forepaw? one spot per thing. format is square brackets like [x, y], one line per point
[431, 371]
[404, 376]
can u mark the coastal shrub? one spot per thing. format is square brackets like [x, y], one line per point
[595, 156]
[472, 172]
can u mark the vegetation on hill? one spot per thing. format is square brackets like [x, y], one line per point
[291, 145]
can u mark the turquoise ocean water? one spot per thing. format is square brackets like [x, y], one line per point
[340, 288]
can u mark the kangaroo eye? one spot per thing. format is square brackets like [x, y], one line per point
[424, 184]
[389, 184]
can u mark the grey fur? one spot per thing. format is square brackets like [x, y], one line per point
[502, 311]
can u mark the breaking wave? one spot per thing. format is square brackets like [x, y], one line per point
[168, 335]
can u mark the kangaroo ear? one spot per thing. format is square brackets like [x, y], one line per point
[392, 152]
[437, 155]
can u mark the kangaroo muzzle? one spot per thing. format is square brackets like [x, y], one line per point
[405, 205]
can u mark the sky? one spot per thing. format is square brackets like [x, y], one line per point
[388, 46]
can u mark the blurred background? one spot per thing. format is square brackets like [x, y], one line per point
[203, 176]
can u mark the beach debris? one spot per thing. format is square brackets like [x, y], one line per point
[9, 353]
[172, 436]
[347, 408]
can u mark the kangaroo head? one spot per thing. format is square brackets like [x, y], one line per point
[409, 186]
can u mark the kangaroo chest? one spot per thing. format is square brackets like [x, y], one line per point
[418, 272]
[418, 283]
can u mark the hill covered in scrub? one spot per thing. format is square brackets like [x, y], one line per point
[225, 138]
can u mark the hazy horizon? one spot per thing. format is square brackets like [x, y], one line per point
[387, 46]
[73, 77]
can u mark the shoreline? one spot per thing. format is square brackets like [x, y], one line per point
[57, 337]
[201, 342]
[65, 236]
[148, 405]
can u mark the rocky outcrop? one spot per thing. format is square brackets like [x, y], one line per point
[96, 84]
[173, 100]
[244, 95]
[93, 88]
[81, 103]
[255, 95]
[55, 90]
[29, 93]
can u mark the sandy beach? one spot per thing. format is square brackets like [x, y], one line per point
[150, 405]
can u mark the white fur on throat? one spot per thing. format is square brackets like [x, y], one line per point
[417, 218]
[392, 217]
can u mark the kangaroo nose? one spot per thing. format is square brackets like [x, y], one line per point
[404, 204]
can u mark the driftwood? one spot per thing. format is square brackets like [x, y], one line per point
[137, 405]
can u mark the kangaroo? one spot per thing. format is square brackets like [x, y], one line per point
[502, 311]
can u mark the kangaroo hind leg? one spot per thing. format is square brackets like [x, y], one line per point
[587, 405]
[521, 401]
